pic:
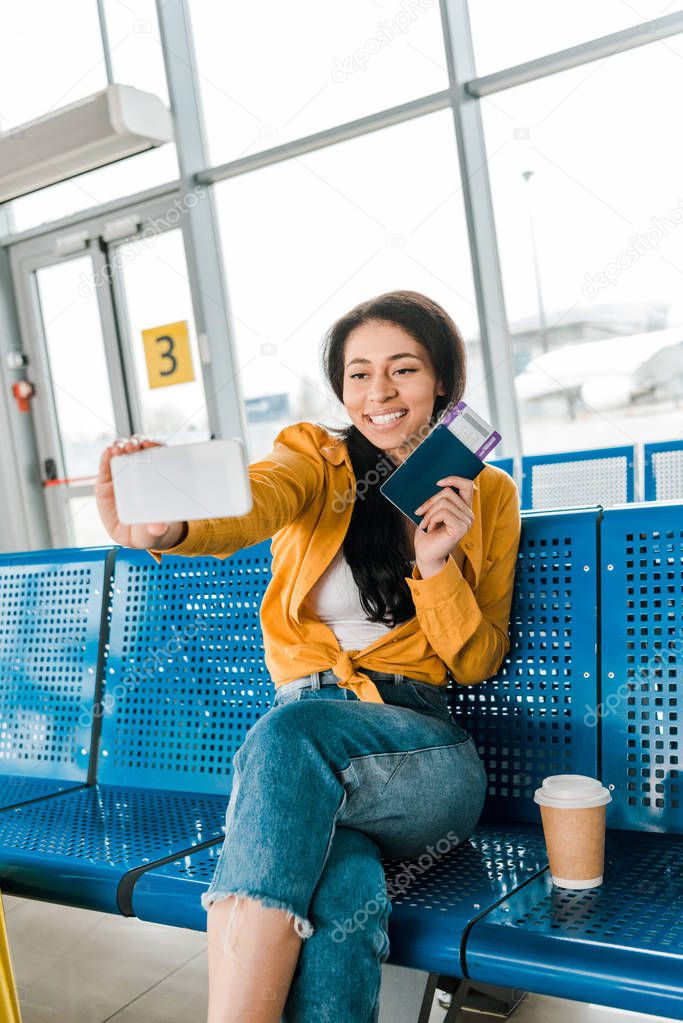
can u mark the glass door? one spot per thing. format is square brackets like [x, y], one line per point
[154, 305]
[106, 319]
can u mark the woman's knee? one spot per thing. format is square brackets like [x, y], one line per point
[350, 900]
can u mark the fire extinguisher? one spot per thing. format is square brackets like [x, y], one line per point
[23, 390]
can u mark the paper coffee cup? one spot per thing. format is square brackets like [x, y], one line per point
[573, 815]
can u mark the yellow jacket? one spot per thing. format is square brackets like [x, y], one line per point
[461, 619]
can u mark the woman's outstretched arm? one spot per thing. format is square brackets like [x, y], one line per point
[282, 485]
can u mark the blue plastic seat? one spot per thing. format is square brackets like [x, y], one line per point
[51, 607]
[620, 944]
[184, 680]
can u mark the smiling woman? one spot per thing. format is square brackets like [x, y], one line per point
[396, 362]
[365, 619]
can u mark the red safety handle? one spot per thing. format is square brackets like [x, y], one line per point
[66, 480]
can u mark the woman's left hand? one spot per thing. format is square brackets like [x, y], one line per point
[447, 516]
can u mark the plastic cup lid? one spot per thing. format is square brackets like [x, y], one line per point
[572, 791]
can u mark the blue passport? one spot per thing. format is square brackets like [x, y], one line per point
[440, 454]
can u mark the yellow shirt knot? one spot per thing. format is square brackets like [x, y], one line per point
[356, 681]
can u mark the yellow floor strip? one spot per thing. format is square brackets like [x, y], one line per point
[9, 1001]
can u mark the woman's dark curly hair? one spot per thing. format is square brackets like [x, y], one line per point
[376, 545]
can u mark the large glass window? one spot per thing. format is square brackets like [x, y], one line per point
[49, 57]
[72, 67]
[136, 55]
[270, 72]
[585, 172]
[307, 239]
[506, 33]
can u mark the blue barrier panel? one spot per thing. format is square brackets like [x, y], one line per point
[664, 471]
[620, 944]
[569, 478]
[50, 615]
[183, 674]
[528, 720]
[642, 665]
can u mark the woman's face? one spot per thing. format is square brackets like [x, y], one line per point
[387, 371]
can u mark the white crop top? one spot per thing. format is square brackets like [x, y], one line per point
[335, 600]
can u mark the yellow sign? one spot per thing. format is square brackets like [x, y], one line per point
[168, 355]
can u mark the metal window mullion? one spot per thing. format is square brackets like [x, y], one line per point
[200, 229]
[328, 137]
[104, 36]
[495, 339]
[92, 215]
[122, 380]
[574, 56]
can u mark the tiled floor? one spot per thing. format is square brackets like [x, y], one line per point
[76, 966]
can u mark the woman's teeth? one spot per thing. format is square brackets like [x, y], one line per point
[386, 418]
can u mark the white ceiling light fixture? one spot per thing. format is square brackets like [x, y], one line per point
[110, 125]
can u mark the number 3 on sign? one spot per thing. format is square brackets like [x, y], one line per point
[168, 355]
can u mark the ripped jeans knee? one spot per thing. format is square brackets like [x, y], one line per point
[302, 925]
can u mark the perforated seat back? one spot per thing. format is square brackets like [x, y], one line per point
[642, 665]
[50, 614]
[664, 470]
[528, 721]
[185, 675]
[602, 476]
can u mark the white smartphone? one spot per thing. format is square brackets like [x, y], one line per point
[207, 480]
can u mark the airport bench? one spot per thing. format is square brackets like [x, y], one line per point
[178, 687]
[180, 678]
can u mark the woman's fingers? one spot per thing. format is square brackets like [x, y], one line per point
[121, 446]
[450, 500]
[103, 470]
[465, 487]
[440, 508]
[451, 518]
[456, 499]
[157, 528]
[126, 445]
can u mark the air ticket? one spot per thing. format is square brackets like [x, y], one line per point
[469, 427]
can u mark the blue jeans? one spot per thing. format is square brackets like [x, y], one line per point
[324, 785]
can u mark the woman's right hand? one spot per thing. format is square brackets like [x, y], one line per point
[158, 535]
